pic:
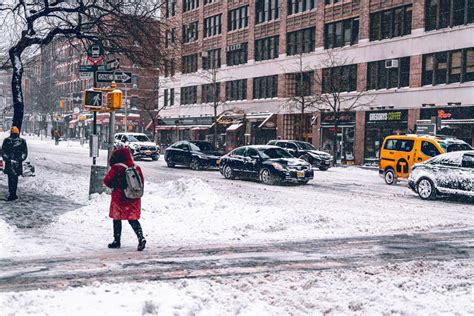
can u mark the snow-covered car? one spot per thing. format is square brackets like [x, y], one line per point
[196, 154]
[306, 151]
[139, 144]
[446, 174]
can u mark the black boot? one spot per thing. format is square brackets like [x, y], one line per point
[137, 228]
[117, 234]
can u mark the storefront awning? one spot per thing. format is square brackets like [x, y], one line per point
[235, 127]
[200, 127]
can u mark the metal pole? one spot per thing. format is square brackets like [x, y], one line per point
[94, 122]
[126, 108]
[111, 136]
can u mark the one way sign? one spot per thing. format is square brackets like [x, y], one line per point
[119, 76]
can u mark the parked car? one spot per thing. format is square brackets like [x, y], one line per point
[451, 173]
[400, 152]
[268, 164]
[305, 151]
[139, 144]
[194, 154]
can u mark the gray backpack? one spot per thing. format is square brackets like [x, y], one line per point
[134, 188]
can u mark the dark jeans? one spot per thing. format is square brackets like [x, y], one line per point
[12, 184]
[137, 228]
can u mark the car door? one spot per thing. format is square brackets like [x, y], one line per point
[186, 155]
[426, 150]
[237, 160]
[173, 153]
[398, 152]
[447, 174]
[466, 174]
[250, 162]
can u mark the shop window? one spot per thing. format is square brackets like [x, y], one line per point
[189, 63]
[211, 92]
[297, 6]
[238, 18]
[340, 79]
[188, 95]
[236, 90]
[448, 67]
[267, 10]
[381, 77]
[441, 14]
[429, 149]
[265, 87]
[189, 5]
[212, 60]
[390, 23]
[341, 33]
[267, 48]
[237, 54]
[190, 32]
[213, 25]
[301, 41]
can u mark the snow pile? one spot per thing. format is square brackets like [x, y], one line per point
[412, 288]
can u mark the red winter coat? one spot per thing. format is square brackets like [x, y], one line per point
[122, 208]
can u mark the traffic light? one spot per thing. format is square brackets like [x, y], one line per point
[61, 104]
[114, 100]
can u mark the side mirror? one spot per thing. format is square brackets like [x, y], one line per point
[256, 157]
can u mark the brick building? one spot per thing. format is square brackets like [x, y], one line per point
[414, 57]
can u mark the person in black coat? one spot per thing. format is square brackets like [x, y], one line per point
[14, 152]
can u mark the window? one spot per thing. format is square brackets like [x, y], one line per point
[209, 1]
[170, 67]
[267, 10]
[190, 32]
[170, 37]
[468, 161]
[265, 87]
[340, 79]
[381, 77]
[189, 95]
[328, 2]
[300, 83]
[341, 33]
[301, 41]
[448, 67]
[169, 97]
[405, 145]
[267, 48]
[189, 5]
[238, 18]
[239, 151]
[213, 25]
[236, 90]
[170, 8]
[251, 152]
[189, 63]
[212, 60]
[429, 149]
[237, 54]
[390, 23]
[448, 13]
[297, 6]
[211, 92]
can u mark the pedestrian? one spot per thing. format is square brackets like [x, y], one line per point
[57, 135]
[122, 207]
[14, 152]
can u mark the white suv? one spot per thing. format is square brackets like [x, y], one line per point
[139, 145]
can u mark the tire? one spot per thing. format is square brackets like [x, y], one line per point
[228, 172]
[323, 168]
[155, 158]
[195, 164]
[426, 189]
[170, 164]
[265, 176]
[304, 182]
[390, 177]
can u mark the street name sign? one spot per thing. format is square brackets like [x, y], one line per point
[118, 76]
[86, 75]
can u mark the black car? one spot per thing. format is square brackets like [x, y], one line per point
[446, 174]
[269, 164]
[305, 151]
[195, 154]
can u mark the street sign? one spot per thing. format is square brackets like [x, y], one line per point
[86, 68]
[93, 98]
[95, 53]
[77, 98]
[113, 64]
[86, 75]
[118, 77]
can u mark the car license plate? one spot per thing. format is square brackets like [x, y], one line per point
[147, 152]
[300, 174]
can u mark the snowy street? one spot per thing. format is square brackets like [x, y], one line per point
[213, 242]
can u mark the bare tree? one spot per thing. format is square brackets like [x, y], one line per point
[127, 28]
[339, 92]
[302, 96]
[212, 92]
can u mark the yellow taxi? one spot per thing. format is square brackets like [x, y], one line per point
[400, 152]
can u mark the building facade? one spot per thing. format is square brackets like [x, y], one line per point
[413, 58]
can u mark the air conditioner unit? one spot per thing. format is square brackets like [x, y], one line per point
[391, 63]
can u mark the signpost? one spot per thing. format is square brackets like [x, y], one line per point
[119, 77]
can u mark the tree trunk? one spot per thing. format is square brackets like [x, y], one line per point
[17, 90]
[335, 147]
[215, 125]
[302, 124]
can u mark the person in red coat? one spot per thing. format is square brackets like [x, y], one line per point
[121, 207]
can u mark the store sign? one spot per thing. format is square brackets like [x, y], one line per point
[426, 128]
[450, 113]
[343, 118]
[392, 116]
